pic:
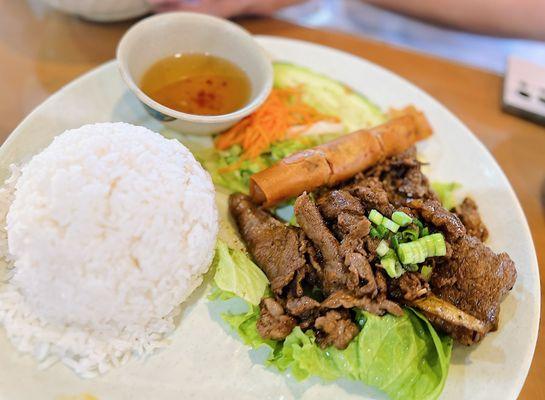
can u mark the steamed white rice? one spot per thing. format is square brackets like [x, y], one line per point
[109, 229]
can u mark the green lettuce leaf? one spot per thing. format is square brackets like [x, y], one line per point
[402, 356]
[445, 192]
[237, 275]
[245, 326]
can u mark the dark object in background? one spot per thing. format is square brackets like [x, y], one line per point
[524, 90]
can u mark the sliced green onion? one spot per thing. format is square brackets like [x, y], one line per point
[417, 222]
[382, 231]
[390, 254]
[417, 251]
[399, 269]
[375, 217]
[407, 253]
[426, 272]
[392, 267]
[410, 253]
[382, 248]
[410, 234]
[401, 218]
[389, 264]
[429, 244]
[421, 254]
[378, 232]
[394, 241]
[440, 245]
[389, 224]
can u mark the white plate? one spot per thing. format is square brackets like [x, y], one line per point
[205, 361]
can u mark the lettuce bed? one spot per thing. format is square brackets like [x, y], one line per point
[403, 356]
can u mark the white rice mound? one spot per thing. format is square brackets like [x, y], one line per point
[109, 229]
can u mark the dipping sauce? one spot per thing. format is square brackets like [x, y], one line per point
[198, 84]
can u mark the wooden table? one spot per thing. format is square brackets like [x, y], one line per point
[41, 51]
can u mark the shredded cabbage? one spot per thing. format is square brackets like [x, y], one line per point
[237, 179]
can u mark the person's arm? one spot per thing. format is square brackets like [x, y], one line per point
[520, 18]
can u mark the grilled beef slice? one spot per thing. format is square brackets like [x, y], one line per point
[372, 194]
[348, 216]
[335, 328]
[302, 306]
[333, 203]
[409, 286]
[471, 277]
[402, 178]
[275, 247]
[435, 214]
[475, 280]
[468, 213]
[335, 273]
[378, 306]
[273, 323]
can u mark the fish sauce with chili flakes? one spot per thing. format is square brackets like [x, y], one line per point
[196, 83]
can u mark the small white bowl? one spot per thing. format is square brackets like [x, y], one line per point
[164, 35]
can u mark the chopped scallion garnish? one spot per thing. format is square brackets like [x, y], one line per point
[394, 241]
[411, 252]
[440, 245]
[410, 234]
[375, 217]
[382, 248]
[417, 251]
[428, 243]
[389, 265]
[417, 222]
[390, 225]
[401, 218]
[399, 269]
[382, 231]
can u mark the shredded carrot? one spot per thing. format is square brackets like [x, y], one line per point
[283, 109]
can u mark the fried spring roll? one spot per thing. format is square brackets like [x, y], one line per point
[338, 160]
[293, 176]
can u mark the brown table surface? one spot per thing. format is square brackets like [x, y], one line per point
[41, 51]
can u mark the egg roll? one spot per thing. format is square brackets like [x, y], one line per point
[336, 161]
